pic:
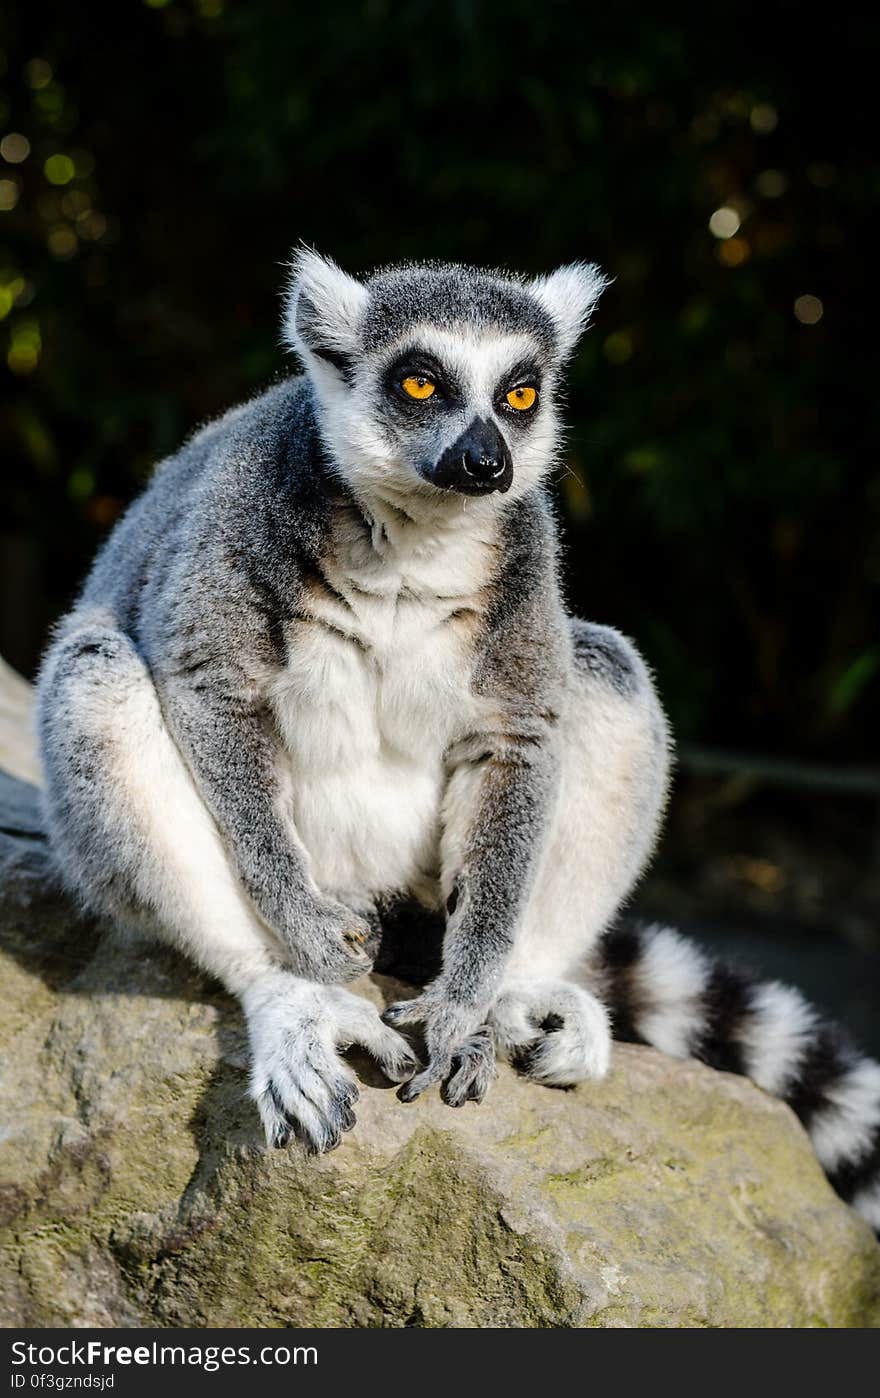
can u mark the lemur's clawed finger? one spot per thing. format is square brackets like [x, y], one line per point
[277, 1122]
[473, 1068]
[405, 1012]
[288, 1114]
[315, 1099]
[333, 945]
[396, 1059]
[435, 1072]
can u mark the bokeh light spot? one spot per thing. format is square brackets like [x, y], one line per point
[734, 252]
[641, 460]
[81, 483]
[15, 148]
[91, 225]
[62, 242]
[59, 169]
[760, 873]
[808, 310]
[9, 192]
[724, 222]
[38, 73]
[763, 118]
[22, 360]
[24, 351]
[12, 287]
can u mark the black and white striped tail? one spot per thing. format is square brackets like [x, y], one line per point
[664, 991]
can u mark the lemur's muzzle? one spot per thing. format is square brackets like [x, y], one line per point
[477, 463]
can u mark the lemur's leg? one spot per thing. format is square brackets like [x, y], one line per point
[612, 792]
[133, 837]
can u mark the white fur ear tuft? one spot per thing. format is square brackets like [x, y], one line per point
[568, 295]
[323, 309]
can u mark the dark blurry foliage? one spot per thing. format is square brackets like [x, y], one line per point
[722, 491]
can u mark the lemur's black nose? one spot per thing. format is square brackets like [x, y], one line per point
[477, 463]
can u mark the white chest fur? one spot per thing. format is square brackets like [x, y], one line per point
[376, 688]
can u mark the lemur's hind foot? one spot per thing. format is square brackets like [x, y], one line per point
[553, 1032]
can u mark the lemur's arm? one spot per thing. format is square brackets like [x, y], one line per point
[502, 787]
[507, 791]
[220, 724]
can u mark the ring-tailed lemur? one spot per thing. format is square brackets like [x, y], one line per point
[323, 664]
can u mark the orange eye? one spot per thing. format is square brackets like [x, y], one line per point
[522, 397]
[417, 386]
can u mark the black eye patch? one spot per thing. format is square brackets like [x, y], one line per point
[419, 363]
[525, 374]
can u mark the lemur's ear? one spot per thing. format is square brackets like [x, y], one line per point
[568, 295]
[323, 309]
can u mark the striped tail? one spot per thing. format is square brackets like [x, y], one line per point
[664, 991]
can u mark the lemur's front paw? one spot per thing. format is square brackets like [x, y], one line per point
[334, 946]
[301, 1087]
[461, 1053]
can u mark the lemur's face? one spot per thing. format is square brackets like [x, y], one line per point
[438, 381]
